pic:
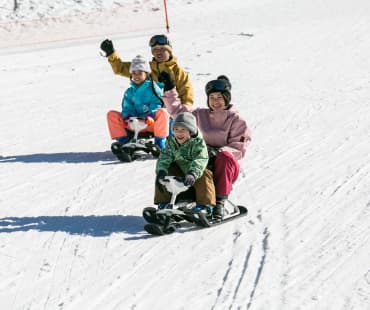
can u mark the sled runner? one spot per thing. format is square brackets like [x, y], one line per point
[139, 146]
[178, 214]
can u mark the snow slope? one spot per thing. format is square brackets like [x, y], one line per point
[71, 232]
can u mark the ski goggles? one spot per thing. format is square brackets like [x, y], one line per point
[159, 39]
[217, 86]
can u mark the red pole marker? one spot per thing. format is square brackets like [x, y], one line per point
[165, 11]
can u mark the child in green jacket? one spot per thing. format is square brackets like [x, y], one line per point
[185, 155]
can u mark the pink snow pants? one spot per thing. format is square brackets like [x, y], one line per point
[117, 126]
[225, 172]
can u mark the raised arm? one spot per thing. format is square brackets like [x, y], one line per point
[118, 66]
[171, 97]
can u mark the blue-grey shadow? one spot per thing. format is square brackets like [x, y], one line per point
[91, 225]
[73, 158]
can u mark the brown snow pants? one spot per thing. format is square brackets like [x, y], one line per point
[203, 189]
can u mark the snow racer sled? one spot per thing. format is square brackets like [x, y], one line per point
[139, 146]
[177, 214]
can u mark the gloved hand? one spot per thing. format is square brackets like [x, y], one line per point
[212, 154]
[160, 177]
[149, 120]
[189, 179]
[107, 47]
[167, 80]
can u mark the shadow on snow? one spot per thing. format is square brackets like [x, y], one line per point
[78, 157]
[92, 225]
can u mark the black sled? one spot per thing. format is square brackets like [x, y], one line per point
[140, 146]
[181, 214]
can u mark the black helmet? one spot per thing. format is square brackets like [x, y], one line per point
[222, 85]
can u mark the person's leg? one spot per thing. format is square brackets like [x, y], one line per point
[161, 195]
[116, 125]
[161, 123]
[161, 127]
[226, 171]
[205, 189]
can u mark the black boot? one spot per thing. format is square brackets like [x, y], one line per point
[218, 210]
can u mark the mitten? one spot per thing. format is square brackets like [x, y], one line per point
[189, 179]
[107, 47]
[212, 154]
[167, 80]
[149, 120]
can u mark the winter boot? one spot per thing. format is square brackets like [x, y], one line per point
[160, 142]
[123, 140]
[164, 205]
[203, 208]
[219, 209]
[202, 214]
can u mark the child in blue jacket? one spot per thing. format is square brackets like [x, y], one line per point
[141, 99]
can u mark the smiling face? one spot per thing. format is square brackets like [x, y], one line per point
[161, 54]
[138, 76]
[181, 134]
[216, 101]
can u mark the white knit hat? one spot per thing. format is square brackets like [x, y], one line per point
[140, 64]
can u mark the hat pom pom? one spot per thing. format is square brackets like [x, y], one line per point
[224, 78]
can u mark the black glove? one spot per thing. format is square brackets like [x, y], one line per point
[212, 153]
[107, 47]
[189, 179]
[160, 177]
[167, 80]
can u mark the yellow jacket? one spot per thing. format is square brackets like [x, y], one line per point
[181, 78]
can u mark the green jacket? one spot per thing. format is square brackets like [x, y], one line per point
[181, 78]
[192, 156]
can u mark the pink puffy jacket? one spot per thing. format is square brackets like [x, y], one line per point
[225, 129]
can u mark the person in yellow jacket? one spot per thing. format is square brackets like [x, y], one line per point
[163, 60]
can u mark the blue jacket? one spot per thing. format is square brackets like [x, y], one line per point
[140, 101]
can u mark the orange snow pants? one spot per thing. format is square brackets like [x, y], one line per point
[117, 126]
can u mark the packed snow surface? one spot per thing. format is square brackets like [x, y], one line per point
[71, 230]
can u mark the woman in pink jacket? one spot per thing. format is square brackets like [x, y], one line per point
[225, 132]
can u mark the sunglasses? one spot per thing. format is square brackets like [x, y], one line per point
[217, 86]
[159, 39]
